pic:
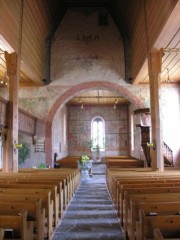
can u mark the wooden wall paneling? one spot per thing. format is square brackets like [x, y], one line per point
[151, 19]
[9, 27]
[138, 42]
[32, 45]
[157, 13]
[39, 18]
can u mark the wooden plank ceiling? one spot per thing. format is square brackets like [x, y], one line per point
[140, 20]
[98, 97]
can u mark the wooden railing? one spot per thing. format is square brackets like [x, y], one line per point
[27, 122]
[168, 155]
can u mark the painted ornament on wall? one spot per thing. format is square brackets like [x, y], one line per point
[87, 38]
[87, 62]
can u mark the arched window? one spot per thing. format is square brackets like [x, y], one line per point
[98, 133]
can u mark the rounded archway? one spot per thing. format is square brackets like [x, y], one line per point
[73, 91]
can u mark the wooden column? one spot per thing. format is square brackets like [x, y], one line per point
[154, 67]
[10, 158]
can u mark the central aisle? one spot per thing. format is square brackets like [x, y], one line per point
[90, 214]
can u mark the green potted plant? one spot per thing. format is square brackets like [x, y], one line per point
[94, 146]
[42, 165]
[23, 153]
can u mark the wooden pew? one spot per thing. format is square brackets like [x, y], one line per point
[124, 163]
[61, 186]
[160, 208]
[141, 180]
[1, 233]
[173, 235]
[137, 184]
[36, 179]
[69, 177]
[130, 177]
[69, 184]
[128, 208]
[158, 197]
[147, 224]
[68, 162]
[37, 187]
[61, 182]
[19, 223]
[157, 234]
[47, 203]
[121, 187]
[35, 212]
[118, 157]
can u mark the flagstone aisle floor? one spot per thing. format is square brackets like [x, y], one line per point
[90, 215]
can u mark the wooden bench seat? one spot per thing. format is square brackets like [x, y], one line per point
[63, 183]
[119, 195]
[18, 222]
[1, 233]
[71, 176]
[35, 212]
[124, 163]
[147, 224]
[47, 203]
[151, 198]
[34, 188]
[52, 186]
[126, 208]
[151, 208]
[173, 235]
[121, 185]
[142, 187]
[118, 157]
[68, 162]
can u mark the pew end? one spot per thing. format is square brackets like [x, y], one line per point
[160, 235]
[19, 224]
[1, 233]
[169, 225]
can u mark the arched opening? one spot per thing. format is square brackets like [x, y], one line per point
[73, 91]
[98, 135]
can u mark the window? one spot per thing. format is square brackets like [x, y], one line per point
[98, 133]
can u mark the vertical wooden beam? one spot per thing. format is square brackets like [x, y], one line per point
[154, 67]
[10, 158]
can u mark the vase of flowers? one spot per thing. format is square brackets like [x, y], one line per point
[85, 165]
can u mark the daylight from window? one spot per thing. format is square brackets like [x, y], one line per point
[98, 133]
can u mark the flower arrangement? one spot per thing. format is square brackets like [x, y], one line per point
[84, 159]
[152, 145]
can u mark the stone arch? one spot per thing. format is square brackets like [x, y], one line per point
[70, 93]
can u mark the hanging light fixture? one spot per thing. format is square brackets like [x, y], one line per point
[168, 80]
[80, 101]
[115, 103]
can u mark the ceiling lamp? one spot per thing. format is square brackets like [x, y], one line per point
[80, 101]
[168, 79]
[115, 102]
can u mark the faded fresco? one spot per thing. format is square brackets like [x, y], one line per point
[116, 128]
[80, 53]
